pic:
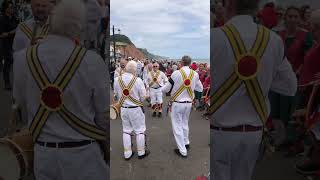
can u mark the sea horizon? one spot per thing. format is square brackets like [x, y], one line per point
[203, 60]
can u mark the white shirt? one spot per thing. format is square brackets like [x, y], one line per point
[161, 79]
[176, 76]
[138, 90]
[21, 40]
[118, 72]
[86, 95]
[275, 73]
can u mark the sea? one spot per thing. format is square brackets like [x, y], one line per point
[196, 60]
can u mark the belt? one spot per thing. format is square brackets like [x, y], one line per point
[155, 88]
[182, 101]
[129, 107]
[65, 144]
[241, 128]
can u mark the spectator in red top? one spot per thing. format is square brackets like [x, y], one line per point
[219, 15]
[194, 66]
[268, 16]
[305, 18]
[202, 73]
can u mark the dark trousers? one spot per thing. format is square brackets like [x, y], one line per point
[8, 59]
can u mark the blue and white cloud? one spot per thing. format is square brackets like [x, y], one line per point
[170, 28]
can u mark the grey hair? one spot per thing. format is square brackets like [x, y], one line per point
[186, 60]
[131, 67]
[246, 6]
[315, 17]
[68, 18]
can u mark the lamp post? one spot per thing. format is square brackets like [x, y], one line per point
[114, 42]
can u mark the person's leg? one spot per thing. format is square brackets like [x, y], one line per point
[185, 122]
[176, 120]
[160, 101]
[245, 155]
[139, 127]
[127, 133]
[82, 163]
[223, 145]
[44, 158]
[153, 101]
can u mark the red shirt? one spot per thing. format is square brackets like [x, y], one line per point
[268, 17]
[194, 66]
[311, 66]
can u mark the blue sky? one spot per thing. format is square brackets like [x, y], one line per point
[170, 28]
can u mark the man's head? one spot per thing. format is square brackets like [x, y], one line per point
[219, 10]
[155, 67]
[123, 63]
[292, 17]
[131, 67]
[280, 13]
[41, 10]
[7, 8]
[186, 61]
[68, 19]
[315, 20]
[241, 7]
[201, 67]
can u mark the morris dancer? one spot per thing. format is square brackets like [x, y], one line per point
[156, 79]
[182, 85]
[37, 28]
[131, 93]
[56, 83]
[239, 107]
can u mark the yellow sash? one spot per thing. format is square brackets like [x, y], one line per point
[154, 77]
[185, 86]
[236, 79]
[59, 84]
[126, 91]
[28, 32]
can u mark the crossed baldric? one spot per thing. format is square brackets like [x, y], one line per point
[185, 86]
[29, 33]
[154, 77]
[247, 66]
[51, 98]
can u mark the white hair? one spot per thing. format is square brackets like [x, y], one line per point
[315, 17]
[131, 67]
[68, 18]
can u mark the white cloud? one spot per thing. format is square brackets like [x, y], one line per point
[161, 25]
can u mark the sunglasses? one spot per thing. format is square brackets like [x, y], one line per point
[155, 66]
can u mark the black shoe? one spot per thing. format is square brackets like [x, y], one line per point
[154, 114]
[147, 152]
[188, 146]
[159, 114]
[308, 168]
[179, 154]
[127, 159]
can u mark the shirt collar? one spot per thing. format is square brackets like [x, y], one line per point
[60, 39]
[241, 19]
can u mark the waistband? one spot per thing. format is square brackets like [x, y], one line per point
[182, 101]
[241, 128]
[130, 107]
[65, 144]
[155, 88]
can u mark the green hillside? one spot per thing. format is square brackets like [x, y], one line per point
[121, 38]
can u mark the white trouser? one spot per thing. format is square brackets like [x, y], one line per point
[133, 120]
[234, 154]
[180, 118]
[80, 163]
[156, 96]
